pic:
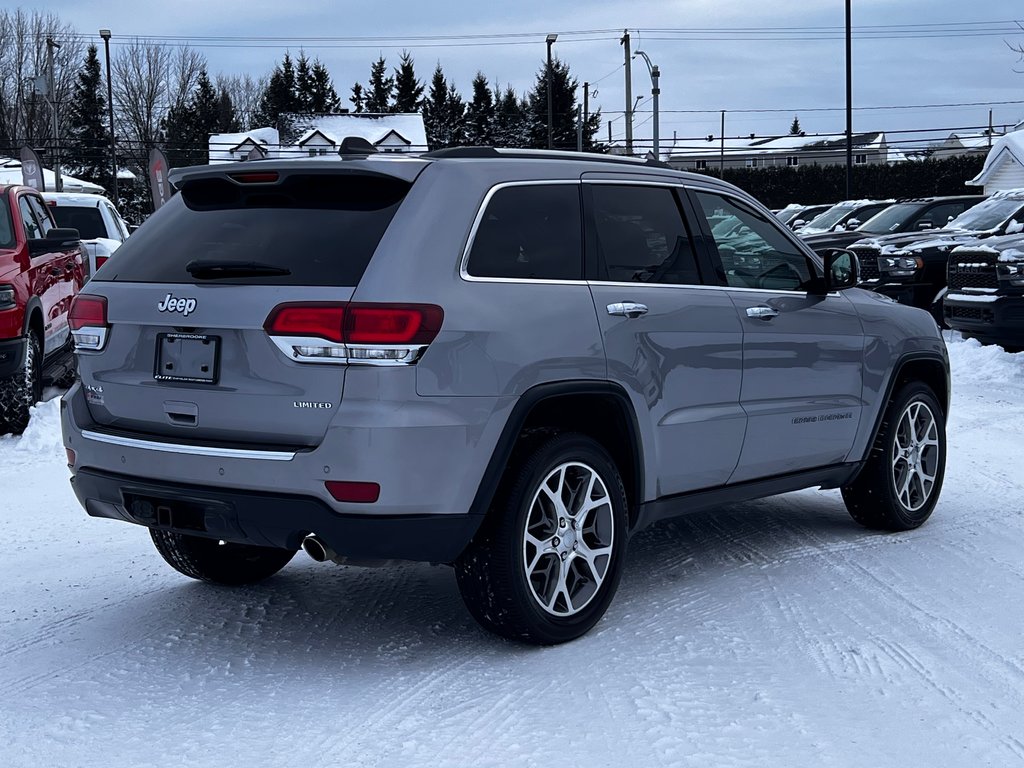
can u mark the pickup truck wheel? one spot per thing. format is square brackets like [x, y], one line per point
[23, 389]
[900, 484]
[547, 561]
[219, 562]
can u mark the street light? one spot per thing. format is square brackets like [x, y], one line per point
[551, 141]
[655, 90]
[54, 121]
[105, 34]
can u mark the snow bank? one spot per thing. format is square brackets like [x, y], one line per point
[41, 442]
[972, 363]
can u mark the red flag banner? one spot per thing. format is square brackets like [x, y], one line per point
[158, 183]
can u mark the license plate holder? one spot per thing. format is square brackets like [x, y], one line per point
[190, 357]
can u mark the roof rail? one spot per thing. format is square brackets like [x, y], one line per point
[484, 153]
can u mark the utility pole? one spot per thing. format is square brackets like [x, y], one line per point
[586, 104]
[990, 129]
[849, 104]
[629, 94]
[609, 133]
[655, 91]
[551, 141]
[579, 128]
[105, 34]
[55, 140]
[721, 157]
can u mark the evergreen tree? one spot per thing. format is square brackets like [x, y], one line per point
[88, 152]
[794, 128]
[323, 98]
[509, 120]
[480, 114]
[280, 94]
[563, 107]
[408, 90]
[227, 119]
[378, 96]
[188, 126]
[443, 113]
[303, 83]
[358, 98]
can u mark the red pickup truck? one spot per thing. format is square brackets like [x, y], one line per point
[41, 271]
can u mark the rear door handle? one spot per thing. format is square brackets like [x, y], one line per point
[762, 313]
[627, 309]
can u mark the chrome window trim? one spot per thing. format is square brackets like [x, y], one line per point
[464, 264]
[188, 450]
[678, 286]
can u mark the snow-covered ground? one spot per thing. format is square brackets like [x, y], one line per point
[774, 633]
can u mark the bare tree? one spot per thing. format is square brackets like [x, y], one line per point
[245, 92]
[148, 79]
[24, 115]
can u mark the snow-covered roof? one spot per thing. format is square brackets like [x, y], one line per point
[10, 173]
[1006, 149]
[223, 147]
[773, 146]
[375, 128]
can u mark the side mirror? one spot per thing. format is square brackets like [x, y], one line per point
[923, 225]
[798, 223]
[853, 224]
[842, 270]
[57, 239]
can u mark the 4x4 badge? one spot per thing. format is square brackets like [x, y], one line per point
[171, 304]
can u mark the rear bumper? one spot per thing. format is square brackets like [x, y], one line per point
[270, 519]
[12, 355]
[999, 322]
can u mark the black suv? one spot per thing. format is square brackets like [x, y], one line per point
[920, 214]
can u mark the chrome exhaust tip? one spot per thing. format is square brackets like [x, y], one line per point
[317, 549]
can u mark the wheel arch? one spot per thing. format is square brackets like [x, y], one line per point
[931, 369]
[600, 410]
[34, 318]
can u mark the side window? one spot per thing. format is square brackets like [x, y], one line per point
[43, 216]
[32, 230]
[530, 232]
[754, 252]
[641, 236]
[939, 215]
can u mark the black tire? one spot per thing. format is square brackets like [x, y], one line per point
[873, 499]
[22, 390]
[492, 572]
[219, 563]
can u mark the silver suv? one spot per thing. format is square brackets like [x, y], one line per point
[504, 361]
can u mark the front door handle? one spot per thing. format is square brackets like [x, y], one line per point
[762, 313]
[627, 309]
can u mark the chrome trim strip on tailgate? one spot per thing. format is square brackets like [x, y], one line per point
[188, 450]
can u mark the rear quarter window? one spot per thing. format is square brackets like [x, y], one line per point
[530, 232]
[322, 228]
[88, 221]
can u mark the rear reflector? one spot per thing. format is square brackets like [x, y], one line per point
[355, 493]
[88, 312]
[101, 260]
[71, 457]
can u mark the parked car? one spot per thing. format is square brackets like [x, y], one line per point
[911, 267]
[97, 221]
[799, 215]
[41, 271]
[848, 214]
[911, 215]
[986, 291]
[377, 359]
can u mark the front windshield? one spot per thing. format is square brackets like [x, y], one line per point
[986, 215]
[889, 219]
[830, 218]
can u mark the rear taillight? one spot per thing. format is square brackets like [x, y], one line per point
[88, 322]
[371, 334]
[101, 260]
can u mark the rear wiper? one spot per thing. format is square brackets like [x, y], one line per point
[210, 270]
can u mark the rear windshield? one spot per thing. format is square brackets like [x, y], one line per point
[87, 221]
[6, 228]
[323, 229]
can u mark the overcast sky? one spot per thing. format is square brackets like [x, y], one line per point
[794, 75]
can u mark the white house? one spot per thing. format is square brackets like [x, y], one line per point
[313, 135]
[868, 149]
[1004, 166]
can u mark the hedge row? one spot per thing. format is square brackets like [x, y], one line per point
[810, 184]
